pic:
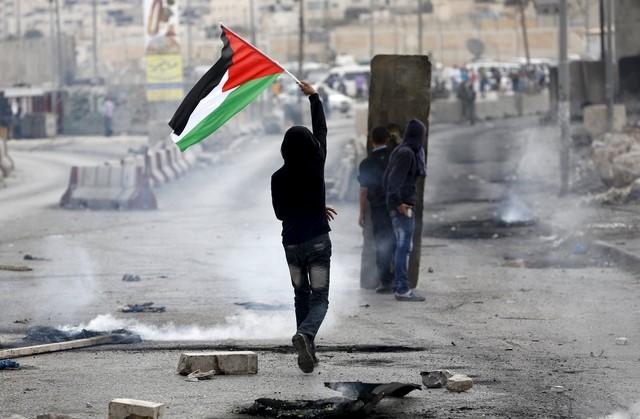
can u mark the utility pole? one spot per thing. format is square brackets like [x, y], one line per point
[563, 98]
[94, 16]
[18, 22]
[190, 38]
[301, 40]
[371, 30]
[419, 27]
[609, 63]
[525, 35]
[252, 20]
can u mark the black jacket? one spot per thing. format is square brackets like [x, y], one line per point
[297, 188]
[403, 169]
[371, 172]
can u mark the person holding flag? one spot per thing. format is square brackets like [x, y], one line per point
[297, 188]
[298, 196]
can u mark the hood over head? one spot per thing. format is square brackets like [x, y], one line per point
[414, 134]
[299, 147]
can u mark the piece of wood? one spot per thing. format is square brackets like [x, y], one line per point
[55, 347]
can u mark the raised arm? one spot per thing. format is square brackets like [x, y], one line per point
[318, 121]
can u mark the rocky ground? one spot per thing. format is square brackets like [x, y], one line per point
[531, 313]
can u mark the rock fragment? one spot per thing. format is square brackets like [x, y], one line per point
[458, 383]
[130, 408]
[435, 379]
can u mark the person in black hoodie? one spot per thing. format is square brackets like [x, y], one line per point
[298, 197]
[406, 163]
[372, 195]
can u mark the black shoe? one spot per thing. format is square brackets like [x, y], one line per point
[384, 289]
[302, 343]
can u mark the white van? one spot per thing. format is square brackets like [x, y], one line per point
[345, 79]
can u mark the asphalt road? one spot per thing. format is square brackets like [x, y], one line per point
[214, 242]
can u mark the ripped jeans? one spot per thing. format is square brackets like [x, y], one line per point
[309, 264]
[403, 228]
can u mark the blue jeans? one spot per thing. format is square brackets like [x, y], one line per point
[309, 264]
[403, 228]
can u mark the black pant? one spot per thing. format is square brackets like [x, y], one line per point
[309, 264]
[385, 244]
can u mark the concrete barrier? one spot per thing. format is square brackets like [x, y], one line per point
[450, 110]
[109, 187]
[178, 159]
[6, 163]
[169, 161]
[153, 170]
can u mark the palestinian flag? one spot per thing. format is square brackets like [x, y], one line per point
[234, 81]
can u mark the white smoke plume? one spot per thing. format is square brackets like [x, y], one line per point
[245, 326]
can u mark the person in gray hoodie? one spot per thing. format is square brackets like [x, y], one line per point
[406, 164]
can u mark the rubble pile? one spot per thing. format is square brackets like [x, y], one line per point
[616, 157]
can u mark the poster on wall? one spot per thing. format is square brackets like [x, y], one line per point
[162, 51]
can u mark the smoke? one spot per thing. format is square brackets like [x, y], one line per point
[632, 413]
[243, 326]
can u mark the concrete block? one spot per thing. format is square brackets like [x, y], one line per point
[595, 118]
[222, 362]
[459, 383]
[135, 409]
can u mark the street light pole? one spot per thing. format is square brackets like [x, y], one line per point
[609, 61]
[189, 37]
[525, 36]
[301, 40]
[371, 30]
[563, 98]
[94, 16]
[419, 27]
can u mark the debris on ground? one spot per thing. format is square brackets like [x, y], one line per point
[30, 257]
[143, 308]
[332, 408]
[359, 390]
[130, 278]
[435, 379]
[38, 335]
[7, 364]
[514, 263]
[558, 389]
[458, 383]
[53, 416]
[250, 305]
[197, 375]
[22, 321]
[15, 268]
[621, 341]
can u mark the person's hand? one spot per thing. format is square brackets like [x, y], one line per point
[404, 209]
[330, 213]
[306, 88]
[361, 220]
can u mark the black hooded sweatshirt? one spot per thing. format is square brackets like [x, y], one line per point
[297, 188]
[406, 163]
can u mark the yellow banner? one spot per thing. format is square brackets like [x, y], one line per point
[164, 77]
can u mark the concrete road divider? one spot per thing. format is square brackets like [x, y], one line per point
[153, 170]
[109, 187]
[178, 160]
[6, 163]
[175, 171]
[130, 408]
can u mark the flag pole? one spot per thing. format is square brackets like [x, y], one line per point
[265, 55]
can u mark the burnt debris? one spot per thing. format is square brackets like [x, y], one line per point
[38, 335]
